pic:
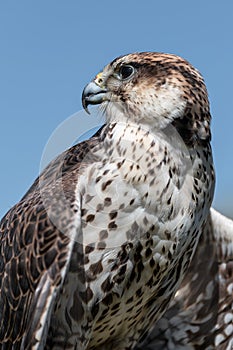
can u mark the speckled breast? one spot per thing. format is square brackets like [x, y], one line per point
[142, 209]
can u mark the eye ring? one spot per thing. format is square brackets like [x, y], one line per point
[125, 72]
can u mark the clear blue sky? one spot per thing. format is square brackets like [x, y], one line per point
[50, 49]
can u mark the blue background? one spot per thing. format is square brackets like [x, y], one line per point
[50, 49]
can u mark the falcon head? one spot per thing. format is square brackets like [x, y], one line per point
[154, 89]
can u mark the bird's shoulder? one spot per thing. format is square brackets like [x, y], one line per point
[35, 250]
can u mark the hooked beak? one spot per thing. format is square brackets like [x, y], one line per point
[93, 94]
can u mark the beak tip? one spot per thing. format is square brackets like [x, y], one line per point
[87, 110]
[85, 104]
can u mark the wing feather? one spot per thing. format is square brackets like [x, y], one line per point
[35, 253]
[201, 315]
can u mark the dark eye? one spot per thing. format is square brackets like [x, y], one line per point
[125, 72]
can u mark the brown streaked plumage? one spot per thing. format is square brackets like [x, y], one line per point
[201, 314]
[99, 245]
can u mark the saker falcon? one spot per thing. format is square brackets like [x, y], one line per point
[97, 248]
